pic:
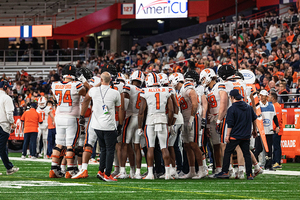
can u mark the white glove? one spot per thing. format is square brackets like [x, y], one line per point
[190, 124]
[82, 78]
[171, 130]
[140, 131]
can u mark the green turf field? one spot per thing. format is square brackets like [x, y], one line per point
[32, 182]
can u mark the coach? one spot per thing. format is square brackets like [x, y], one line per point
[240, 117]
[105, 103]
[6, 123]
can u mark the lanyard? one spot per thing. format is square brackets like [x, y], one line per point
[104, 94]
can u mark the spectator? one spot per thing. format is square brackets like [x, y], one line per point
[82, 44]
[296, 62]
[283, 91]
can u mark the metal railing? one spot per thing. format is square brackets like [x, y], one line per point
[29, 56]
[292, 101]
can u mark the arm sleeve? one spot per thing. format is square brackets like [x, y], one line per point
[230, 118]
[275, 119]
[9, 109]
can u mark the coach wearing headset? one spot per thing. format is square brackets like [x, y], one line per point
[6, 124]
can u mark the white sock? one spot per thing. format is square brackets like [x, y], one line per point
[122, 170]
[230, 167]
[53, 164]
[204, 162]
[138, 171]
[117, 168]
[116, 161]
[256, 166]
[132, 170]
[201, 169]
[79, 167]
[192, 170]
[70, 166]
[63, 167]
[150, 170]
[167, 168]
[241, 168]
[84, 166]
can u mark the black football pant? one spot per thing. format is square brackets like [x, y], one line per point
[230, 147]
[107, 142]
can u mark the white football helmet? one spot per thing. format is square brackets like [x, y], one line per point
[206, 76]
[121, 77]
[163, 79]
[42, 102]
[175, 78]
[138, 76]
[152, 79]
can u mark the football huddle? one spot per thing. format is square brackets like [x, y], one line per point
[173, 119]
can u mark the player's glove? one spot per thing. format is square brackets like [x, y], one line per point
[218, 126]
[81, 121]
[140, 131]
[171, 130]
[82, 78]
[203, 120]
[190, 124]
[119, 129]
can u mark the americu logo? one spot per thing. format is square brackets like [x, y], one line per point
[161, 9]
[247, 75]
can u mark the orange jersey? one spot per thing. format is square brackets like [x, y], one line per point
[31, 119]
[279, 117]
[50, 124]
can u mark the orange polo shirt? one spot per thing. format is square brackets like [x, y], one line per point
[31, 119]
[279, 117]
[50, 125]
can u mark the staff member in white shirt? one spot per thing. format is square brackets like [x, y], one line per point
[105, 102]
[6, 124]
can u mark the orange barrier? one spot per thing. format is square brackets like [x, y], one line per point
[290, 142]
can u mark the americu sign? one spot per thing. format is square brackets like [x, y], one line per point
[158, 9]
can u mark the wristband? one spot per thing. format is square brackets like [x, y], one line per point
[218, 121]
[175, 116]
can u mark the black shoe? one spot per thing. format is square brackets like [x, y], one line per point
[250, 177]
[222, 175]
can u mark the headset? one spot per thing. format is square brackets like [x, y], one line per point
[5, 85]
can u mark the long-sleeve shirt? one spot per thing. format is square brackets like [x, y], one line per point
[6, 111]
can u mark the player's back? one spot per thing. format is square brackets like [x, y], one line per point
[119, 85]
[157, 99]
[68, 98]
[184, 100]
[239, 85]
[135, 99]
[213, 97]
[44, 112]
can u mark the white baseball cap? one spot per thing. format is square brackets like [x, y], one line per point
[264, 93]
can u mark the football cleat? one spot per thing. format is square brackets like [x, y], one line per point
[169, 177]
[187, 176]
[109, 178]
[23, 157]
[121, 176]
[100, 175]
[199, 175]
[137, 176]
[115, 173]
[81, 174]
[149, 177]
[240, 175]
[33, 157]
[12, 170]
[277, 166]
[250, 177]
[162, 176]
[258, 171]
[54, 173]
[70, 174]
[174, 173]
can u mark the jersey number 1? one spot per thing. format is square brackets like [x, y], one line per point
[66, 98]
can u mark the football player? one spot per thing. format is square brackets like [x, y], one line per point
[130, 104]
[156, 100]
[188, 100]
[44, 111]
[217, 100]
[67, 93]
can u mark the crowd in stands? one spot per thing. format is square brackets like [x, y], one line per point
[270, 51]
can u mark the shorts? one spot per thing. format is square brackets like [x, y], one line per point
[67, 131]
[130, 132]
[193, 134]
[172, 138]
[90, 135]
[214, 136]
[156, 130]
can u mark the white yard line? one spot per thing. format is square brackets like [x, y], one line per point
[278, 172]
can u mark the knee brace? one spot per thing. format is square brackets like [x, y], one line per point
[87, 150]
[70, 157]
[57, 149]
[79, 151]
